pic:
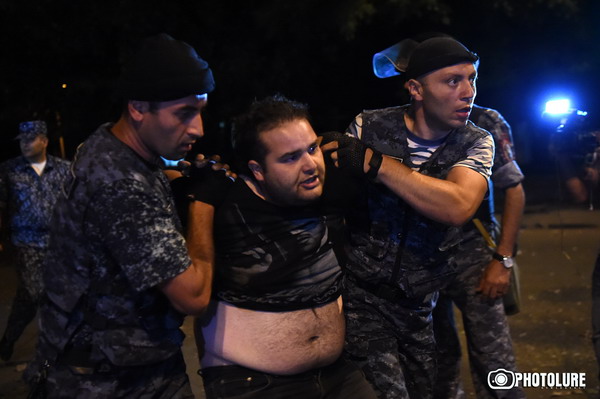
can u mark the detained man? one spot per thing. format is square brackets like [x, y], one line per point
[276, 325]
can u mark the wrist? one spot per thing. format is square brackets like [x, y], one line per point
[374, 164]
[506, 260]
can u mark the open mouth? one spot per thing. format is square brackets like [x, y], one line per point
[311, 182]
[464, 112]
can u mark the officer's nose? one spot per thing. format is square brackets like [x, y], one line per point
[195, 127]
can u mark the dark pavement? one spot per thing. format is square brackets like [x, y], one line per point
[552, 333]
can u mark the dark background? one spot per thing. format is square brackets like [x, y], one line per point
[315, 51]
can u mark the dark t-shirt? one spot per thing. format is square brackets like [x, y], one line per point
[273, 258]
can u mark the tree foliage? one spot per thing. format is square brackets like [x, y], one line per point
[317, 51]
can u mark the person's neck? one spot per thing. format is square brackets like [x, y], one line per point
[254, 186]
[417, 123]
[125, 131]
[37, 159]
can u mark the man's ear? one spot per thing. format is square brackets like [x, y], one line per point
[256, 170]
[45, 141]
[137, 109]
[415, 88]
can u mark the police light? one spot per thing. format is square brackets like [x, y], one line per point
[558, 107]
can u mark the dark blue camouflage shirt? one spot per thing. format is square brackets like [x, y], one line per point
[116, 236]
[29, 198]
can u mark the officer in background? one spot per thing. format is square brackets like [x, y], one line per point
[29, 187]
[485, 269]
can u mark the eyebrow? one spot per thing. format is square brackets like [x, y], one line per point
[190, 108]
[316, 143]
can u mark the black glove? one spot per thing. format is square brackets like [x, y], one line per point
[351, 155]
[328, 137]
[208, 185]
[351, 152]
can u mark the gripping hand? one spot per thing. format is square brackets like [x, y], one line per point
[209, 181]
[351, 155]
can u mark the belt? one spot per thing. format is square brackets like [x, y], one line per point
[212, 373]
[80, 362]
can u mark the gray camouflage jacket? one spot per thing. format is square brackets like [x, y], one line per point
[398, 246]
[115, 237]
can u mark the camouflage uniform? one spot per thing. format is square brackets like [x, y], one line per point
[484, 320]
[397, 259]
[28, 200]
[106, 330]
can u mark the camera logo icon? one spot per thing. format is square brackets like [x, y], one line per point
[501, 379]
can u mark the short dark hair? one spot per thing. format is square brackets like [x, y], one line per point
[265, 114]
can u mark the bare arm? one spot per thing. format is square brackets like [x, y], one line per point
[452, 201]
[514, 205]
[190, 291]
[496, 277]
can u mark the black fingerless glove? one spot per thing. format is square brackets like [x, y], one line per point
[328, 137]
[351, 155]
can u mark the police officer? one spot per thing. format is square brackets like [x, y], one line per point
[29, 187]
[118, 275]
[427, 169]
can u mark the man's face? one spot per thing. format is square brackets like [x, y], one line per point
[293, 171]
[34, 149]
[447, 95]
[172, 128]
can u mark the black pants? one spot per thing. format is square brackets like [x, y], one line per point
[340, 380]
[29, 291]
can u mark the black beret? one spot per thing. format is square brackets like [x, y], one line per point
[164, 69]
[436, 53]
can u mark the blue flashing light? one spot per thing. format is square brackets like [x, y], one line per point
[558, 107]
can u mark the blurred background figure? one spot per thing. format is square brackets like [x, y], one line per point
[485, 269]
[29, 187]
[575, 146]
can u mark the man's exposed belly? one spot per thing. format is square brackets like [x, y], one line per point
[274, 342]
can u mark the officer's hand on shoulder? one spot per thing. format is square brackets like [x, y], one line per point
[210, 179]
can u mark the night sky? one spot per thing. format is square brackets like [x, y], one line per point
[318, 52]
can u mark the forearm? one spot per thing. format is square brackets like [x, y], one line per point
[190, 292]
[201, 246]
[452, 201]
[514, 205]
